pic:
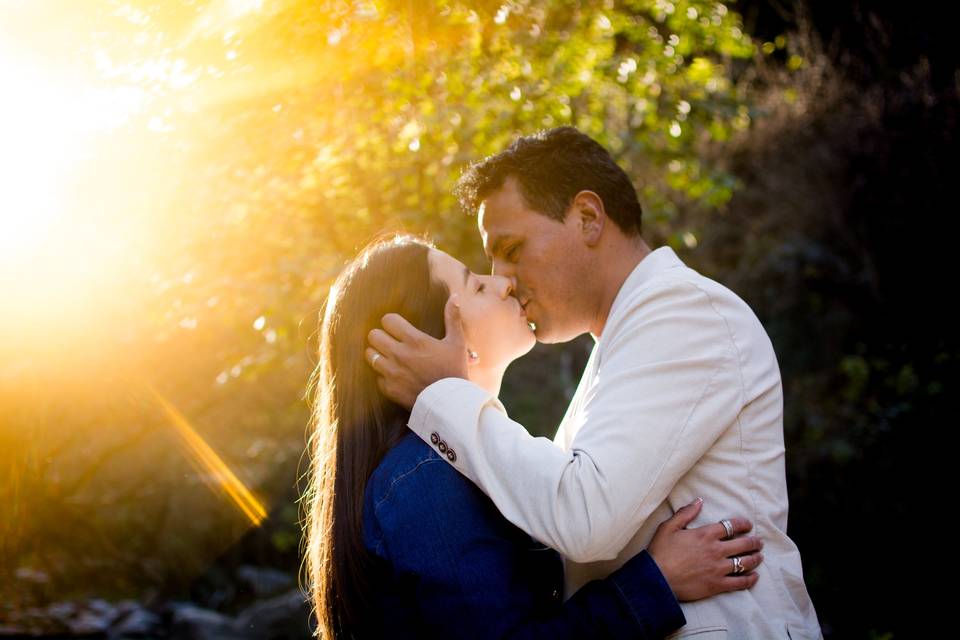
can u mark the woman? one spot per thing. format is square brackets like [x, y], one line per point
[399, 544]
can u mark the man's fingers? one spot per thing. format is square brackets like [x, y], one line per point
[375, 358]
[382, 342]
[398, 327]
[380, 363]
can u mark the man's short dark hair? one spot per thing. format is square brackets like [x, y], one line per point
[551, 167]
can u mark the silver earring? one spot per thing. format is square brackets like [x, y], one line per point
[473, 355]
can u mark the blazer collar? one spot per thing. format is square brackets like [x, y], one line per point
[655, 262]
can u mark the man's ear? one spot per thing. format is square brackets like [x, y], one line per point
[591, 216]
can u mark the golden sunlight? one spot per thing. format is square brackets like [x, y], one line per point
[58, 248]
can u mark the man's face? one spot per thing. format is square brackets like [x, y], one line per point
[544, 257]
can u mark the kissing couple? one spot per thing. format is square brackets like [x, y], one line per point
[660, 507]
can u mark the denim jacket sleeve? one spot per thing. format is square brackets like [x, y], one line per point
[438, 526]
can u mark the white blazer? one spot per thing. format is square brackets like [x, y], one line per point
[681, 398]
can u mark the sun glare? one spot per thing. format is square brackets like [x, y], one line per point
[29, 159]
[48, 125]
[57, 251]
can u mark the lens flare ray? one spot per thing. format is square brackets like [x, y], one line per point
[208, 460]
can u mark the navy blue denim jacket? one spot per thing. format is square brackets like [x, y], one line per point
[450, 565]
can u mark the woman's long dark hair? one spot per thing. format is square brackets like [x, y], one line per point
[352, 424]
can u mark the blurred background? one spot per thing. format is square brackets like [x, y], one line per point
[181, 181]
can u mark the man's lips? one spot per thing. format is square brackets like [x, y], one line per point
[523, 312]
[523, 308]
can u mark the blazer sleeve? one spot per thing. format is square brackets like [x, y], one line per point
[668, 385]
[470, 582]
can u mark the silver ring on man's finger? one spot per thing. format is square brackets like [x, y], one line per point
[737, 565]
[728, 526]
[373, 359]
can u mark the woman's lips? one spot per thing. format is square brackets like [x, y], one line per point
[520, 309]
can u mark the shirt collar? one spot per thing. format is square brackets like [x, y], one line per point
[655, 262]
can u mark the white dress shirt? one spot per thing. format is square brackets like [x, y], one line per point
[681, 397]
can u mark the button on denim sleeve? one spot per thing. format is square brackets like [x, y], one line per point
[471, 568]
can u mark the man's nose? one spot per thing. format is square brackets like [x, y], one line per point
[500, 270]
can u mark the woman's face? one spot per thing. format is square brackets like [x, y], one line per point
[494, 323]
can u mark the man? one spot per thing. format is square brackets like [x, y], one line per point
[681, 396]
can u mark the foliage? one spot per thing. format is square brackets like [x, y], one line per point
[266, 143]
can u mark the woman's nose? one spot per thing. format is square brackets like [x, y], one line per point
[501, 285]
[504, 285]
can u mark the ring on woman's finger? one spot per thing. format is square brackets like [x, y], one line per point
[737, 565]
[728, 527]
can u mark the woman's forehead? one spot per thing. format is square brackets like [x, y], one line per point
[447, 268]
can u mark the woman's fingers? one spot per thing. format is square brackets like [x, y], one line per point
[745, 579]
[684, 516]
[739, 525]
[738, 583]
[746, 548]
[739, 546]
[749, 563]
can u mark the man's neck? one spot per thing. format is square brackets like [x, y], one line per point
[625, 257]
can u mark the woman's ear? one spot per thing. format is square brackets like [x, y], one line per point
[591, 216]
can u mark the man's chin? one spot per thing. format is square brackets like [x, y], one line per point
[547, 334]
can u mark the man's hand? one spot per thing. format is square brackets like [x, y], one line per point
[409, 360]
[697, 563]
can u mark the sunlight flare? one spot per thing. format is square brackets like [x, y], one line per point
[209, 461]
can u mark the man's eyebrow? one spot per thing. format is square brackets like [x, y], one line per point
[498, 243]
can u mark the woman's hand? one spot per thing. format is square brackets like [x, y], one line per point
[697, 563]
